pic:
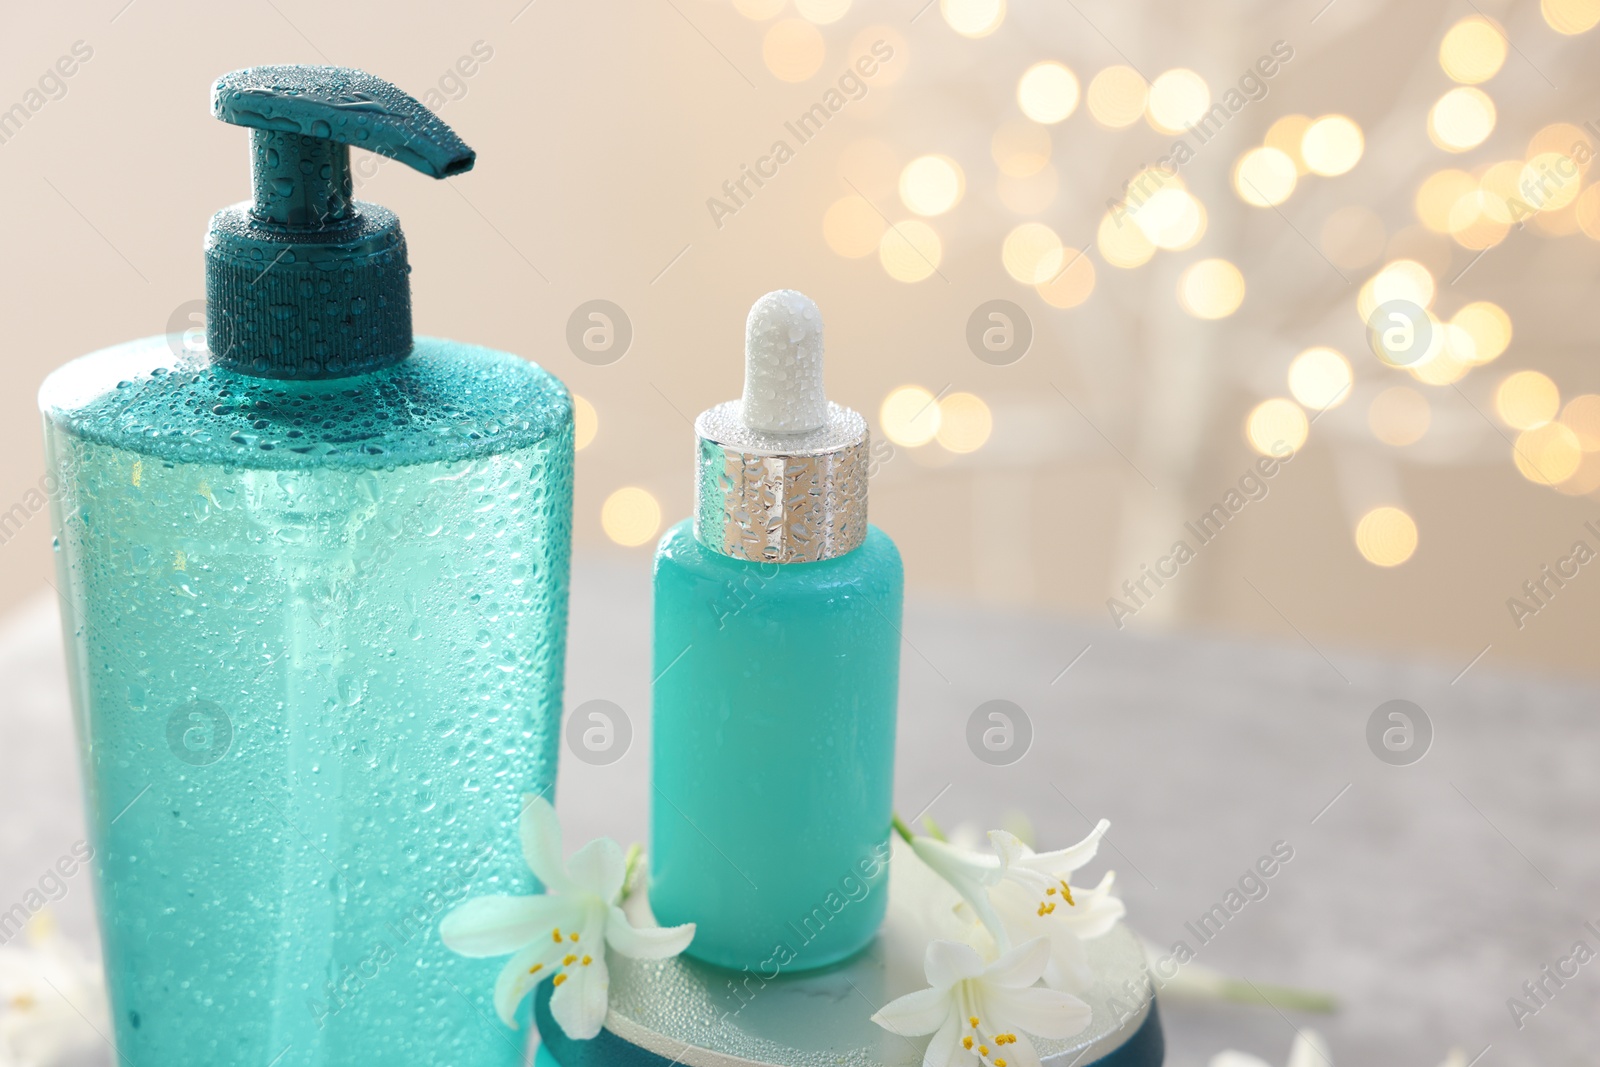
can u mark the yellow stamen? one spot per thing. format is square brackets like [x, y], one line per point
[966, 1042]
[999, 1063]
[983, 1050]
[536, 968]
[559, 979]
[588, 960]
[973, 1020]
[1066, 891]
[569, 961]
[1050, 892]
[555, 935]
[574, 936]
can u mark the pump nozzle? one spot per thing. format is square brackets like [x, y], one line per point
[303, 281]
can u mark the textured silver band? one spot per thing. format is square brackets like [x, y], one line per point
[781, 498]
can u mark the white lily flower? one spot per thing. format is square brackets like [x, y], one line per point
[52, 999]
[562, 934]
[970, 873]
[984, 1014]
[1034, 898]
[1310, 1050]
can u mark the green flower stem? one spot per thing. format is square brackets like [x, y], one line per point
[1241, 991]
[899, 826]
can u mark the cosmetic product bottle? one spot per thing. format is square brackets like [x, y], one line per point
[777, 661]
[313, 585]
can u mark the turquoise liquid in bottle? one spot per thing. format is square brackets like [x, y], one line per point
[776, 648]
[313, 577]
[316, 647]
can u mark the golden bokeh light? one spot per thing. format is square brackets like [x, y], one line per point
[585, 423]
[1122, 242]
[1401, 279]
[1564, 139]
[1286, 135]
[910, 416]
[1171, 218]
[1549, 181]
[630, 516]
[973, 18]
[1473, 50]
[1047, 92]
[932, 185]
[1570, 16]
[1177, 99]
[1547, 454]
[1448, 358]
[1020, 148]
[1582, 417]
[1386, 536]
[1332, 145]
[1399, 416]
[759, 10]
[1437, 196]
[1527, 399]
[852, 227]
[964, 423]
[910, 251]
[1461, 119]
[1117, 97]
[1072, 284]
[1276, 427]
[1489, 327]
[1264, 177]
[1353, 237]
[1584, 480]
[1030, 195]
[1211, 289]
[1478, 220]
[1320, 378]
[822, 12]
[1032, 253]
[793, 50]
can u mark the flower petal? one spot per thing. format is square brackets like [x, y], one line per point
[1310, 1050]
[1041, 1012]
[941, 1051]
[646, 942]
[518, 978]
[1020, 967]
[541, 843]
[599, 868]
[496, 925]
[969, 874]
[1063, 862]
[917, 1013]
[579, 1003]
[948, 962]
[1231, 1058]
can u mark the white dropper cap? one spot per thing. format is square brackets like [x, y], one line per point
[783, 390]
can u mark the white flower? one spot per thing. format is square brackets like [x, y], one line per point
[52, 999]
[1034, 898]
[562, 934]
[983, 1014]
[1310, 1050]
[1019, 894]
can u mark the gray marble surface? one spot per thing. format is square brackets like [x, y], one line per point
[1423, 896]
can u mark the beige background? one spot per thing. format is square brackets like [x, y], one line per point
[603, 127]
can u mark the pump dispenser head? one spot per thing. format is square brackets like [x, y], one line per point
[303, 281]
[782, 472]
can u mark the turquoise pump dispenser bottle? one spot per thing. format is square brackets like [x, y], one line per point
[314, 593]
[777, 662]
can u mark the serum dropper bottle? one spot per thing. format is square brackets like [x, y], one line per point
[777, 659]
